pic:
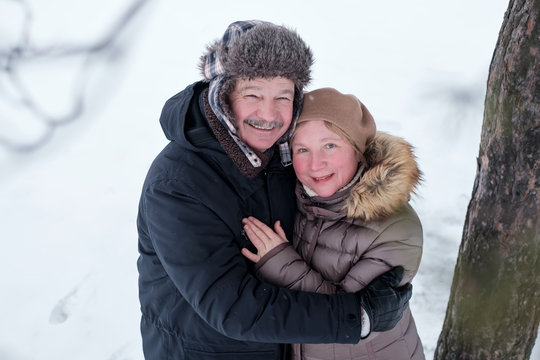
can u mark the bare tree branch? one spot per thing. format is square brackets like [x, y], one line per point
[14, 59]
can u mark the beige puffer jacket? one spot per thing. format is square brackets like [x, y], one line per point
[341, 243]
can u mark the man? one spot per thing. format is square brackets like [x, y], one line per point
[227, 159]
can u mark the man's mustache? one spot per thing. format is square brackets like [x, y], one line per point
[263, 124]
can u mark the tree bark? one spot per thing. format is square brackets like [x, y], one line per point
[494, 306]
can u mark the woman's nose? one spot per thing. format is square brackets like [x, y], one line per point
[317, 162]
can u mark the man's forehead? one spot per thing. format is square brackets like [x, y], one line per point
[278, 83]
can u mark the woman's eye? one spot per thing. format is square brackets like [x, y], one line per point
[330, 146]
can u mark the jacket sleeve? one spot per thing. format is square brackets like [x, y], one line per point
[283, 266]
[399, 243]
[200, 254]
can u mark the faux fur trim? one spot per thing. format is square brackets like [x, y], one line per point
[268, 51]
[392, 176]
[229, 145]
[264, 51]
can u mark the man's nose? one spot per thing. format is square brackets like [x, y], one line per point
[267, 110]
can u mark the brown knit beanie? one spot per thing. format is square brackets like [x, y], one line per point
[342, 110]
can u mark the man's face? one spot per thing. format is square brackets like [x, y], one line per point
[263, 109]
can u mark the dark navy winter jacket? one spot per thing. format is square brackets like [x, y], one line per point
[199, 297]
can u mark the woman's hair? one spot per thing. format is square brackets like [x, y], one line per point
[335, 129]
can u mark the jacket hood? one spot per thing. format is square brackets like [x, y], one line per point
[173, 115]
[387, 184]
[181, 112]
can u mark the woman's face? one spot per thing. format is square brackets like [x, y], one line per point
[322, 160]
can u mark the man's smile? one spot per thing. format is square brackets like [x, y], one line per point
[263, 125]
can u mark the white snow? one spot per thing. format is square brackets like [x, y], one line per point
[68, 273]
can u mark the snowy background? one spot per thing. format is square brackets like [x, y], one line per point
[68, 275]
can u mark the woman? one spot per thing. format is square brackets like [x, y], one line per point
[353, 222]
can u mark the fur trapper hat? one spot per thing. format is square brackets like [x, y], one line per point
[252, 49]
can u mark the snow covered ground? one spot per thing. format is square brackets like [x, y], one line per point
[68, 209]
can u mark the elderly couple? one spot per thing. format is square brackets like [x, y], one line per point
[245, 257]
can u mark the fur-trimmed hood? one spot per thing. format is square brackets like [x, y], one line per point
[392, 176]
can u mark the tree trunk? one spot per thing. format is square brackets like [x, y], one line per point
[494, 306]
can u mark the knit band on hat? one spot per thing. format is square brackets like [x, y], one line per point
[255, 49]
[343, 111]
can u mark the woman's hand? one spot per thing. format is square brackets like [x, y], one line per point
[262, 237]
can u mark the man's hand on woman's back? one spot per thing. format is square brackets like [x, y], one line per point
[383, 301]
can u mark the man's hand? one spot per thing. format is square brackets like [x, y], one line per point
[383, 302]
[262, 237]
